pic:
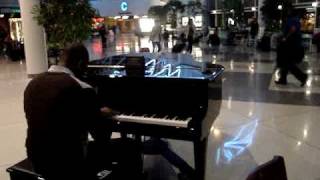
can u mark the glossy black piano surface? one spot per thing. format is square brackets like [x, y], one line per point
[171, 86]
[165, 87]
[179, 66]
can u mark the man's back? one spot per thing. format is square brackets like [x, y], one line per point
[57, 113]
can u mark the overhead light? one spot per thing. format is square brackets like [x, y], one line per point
[146, 24]
[214, 12]
[232, 10]
[1, 15]
[117, 17]
[314, 4]
[253, 8]
[135, 17]
[125, 17]
[280, 7]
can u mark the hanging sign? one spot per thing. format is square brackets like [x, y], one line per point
[124, 6]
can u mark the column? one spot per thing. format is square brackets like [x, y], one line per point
[216, 15]
[206, 13]
[260, 20]
[34, 40]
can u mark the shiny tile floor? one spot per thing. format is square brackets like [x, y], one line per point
[257, 120]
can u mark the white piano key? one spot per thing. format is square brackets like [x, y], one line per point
[154, 121]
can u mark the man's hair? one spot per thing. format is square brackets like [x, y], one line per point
[75, 55]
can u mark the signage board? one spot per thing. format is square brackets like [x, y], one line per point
[124, 6]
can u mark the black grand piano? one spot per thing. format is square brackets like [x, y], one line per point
[161, 96]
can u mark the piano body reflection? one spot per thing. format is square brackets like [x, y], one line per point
[169, 96]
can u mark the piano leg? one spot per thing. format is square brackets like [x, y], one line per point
[158, 146]
[200, 153]
[123, 135]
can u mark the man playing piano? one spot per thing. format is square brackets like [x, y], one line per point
[61, 110]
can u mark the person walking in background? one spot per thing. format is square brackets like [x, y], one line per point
[165, 37]
[213, 39]
[103, 33]
[3, 36]
[190, 35]
[180, 44]
[254, 30]
[139, 34]
[290, 51]
[155, 37]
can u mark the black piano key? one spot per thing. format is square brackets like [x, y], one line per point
[183, 117]
[160, 116]
[176, 117]
[138, 114]
[152, 116]
[171, 116]
[180, 116]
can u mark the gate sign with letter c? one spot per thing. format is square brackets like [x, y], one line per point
[124, 6]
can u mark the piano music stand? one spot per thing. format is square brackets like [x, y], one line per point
[135, 66]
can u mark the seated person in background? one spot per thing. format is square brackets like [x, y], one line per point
[213, 39]
[61, 110]
[180, 44]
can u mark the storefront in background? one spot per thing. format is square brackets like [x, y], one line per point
[126, 15]
[197, 21]
[124, 24]
[310, 23]
[11, 22]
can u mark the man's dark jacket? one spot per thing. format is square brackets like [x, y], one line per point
[60, 114]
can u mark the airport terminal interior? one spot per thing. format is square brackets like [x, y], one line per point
[258, 118]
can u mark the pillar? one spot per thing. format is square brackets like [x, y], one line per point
[34, 40]
[260, 18]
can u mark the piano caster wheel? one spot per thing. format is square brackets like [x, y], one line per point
[183, 176]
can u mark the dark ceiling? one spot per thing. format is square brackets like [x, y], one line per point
[9, 3]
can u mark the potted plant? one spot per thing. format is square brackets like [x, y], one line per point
[65, 22]
[158, 12]
[173, 7]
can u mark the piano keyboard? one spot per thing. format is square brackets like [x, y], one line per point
[175, 122]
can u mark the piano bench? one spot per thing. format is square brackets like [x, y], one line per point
[23, 171]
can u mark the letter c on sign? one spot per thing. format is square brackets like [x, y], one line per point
[124, 6]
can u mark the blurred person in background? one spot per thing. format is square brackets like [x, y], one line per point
[103, 35]
[180, 44]
[155, 37]
[254, 28]
[3, 36]
[290, 51]
[165, 37]
[213, 39]
[190, 35]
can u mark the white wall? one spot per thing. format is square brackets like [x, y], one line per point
[112, 7]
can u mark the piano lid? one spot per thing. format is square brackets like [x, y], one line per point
[165, 65]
